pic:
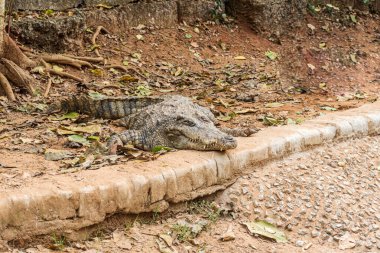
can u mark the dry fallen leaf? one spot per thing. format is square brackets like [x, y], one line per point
[266, 229]
[240, 57]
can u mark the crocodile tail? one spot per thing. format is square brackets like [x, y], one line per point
[107, 108]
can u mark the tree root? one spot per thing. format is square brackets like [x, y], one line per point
[49, 71]
[93, 39]
[17, 75]
[116, 67]
[61, 59]
[87, 59]
[14, 62]
[13, 53]
[48, 86]
[7, 88]
[64, 74]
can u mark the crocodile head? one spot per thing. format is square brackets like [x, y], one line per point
[178, 123]
[197, 133]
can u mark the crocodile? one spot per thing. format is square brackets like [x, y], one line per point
[169, 121]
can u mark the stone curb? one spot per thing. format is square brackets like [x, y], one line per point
[68, 204]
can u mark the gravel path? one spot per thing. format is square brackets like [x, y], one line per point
[319, 196]
[325, 200]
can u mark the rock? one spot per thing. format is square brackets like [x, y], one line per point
[121, 240]
[195, 10]
[52, 35]
[346, 242]
[300, 243]
[307, 246]
[92, 3]
[229, 235]
[269, 16]
[39, 5]
[368, 244]
[355, 229]
[158, 13]
[302, 232]
[56, 155]
[167, 238]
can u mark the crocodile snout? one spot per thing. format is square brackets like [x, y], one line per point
[229, 142]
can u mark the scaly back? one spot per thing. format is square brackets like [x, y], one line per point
[106, 108]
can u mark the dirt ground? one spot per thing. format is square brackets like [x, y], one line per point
[331, 63]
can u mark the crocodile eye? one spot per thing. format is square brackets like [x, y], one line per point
[185, 121]
[188, 122]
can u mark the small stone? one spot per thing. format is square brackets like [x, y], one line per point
[325, 237]
[302, 167]
[341, 164]
[167, 238]
[302, 232]
[368, 244]
[355, 229]
[300, 243]
[229, 235]
[346, 242]
[307, 246]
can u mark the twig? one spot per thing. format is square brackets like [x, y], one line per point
[137, 72]
[64, 74]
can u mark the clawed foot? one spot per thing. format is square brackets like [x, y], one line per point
[240, 132]
[113, 143]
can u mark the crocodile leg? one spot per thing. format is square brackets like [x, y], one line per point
[132, 137]
[239, 132]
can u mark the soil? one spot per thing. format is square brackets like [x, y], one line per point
[329, 64]
[202, 62]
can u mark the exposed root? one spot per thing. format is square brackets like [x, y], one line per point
[13, 53]
[87, 59]
[64, 74]
[137, 73]
[14, 62]
[25, 49]
[17, 75]
[116, 67]
[61, 59]
[7, 88]
[96, 34]
[48, 86]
